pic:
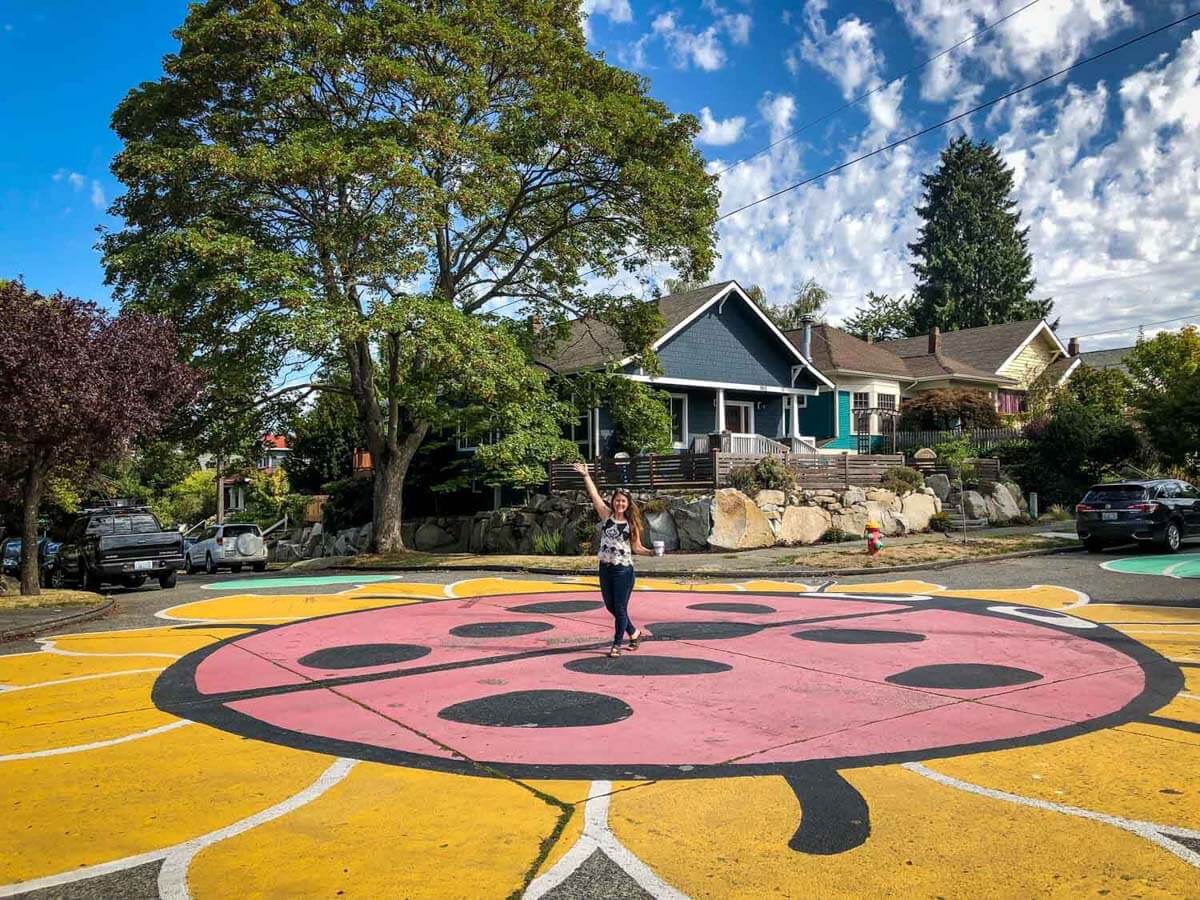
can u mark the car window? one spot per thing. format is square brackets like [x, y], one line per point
[144, 523]
[1115, 493]
[1188, 492]
[1168, 492]
[210, 533]
[100, 525]
[235, 530]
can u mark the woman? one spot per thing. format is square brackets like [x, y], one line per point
[620, 539]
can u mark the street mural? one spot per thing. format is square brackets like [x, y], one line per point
[1173, 565]
[473, 740]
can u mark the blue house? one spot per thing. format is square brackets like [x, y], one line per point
[726, 367]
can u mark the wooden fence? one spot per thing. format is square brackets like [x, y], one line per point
[988, 469]
[980, 438]
[692, 471]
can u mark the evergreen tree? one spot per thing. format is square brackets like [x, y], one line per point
[883, 317]
[972, 259]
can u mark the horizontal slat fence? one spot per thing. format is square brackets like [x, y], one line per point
[980, 438]
[691, 471]
[989, 469]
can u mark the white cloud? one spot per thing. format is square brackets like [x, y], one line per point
[613, 10]
[97, 197]
[689, 46]
[74, 179]
[719, 132]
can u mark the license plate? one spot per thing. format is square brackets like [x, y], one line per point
[143, 564]
[1109, 517]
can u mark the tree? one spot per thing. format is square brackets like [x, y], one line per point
[949, 408]
[1165, 375]
[323, 438]
[1105, 389]
[808, 299]
[361, 184]
[883, 318]
[971, 258]
[79, 388]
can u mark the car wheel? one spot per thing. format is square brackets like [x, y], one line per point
[235, 569]
[56, 577]
[1172, 538]
[133, 581]
[1093, 546]
[188, 566]
[259, 567]
[166, 582]
[209, 566]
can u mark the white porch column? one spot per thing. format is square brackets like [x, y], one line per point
[595, 432]
[720, 409]
[795, 416]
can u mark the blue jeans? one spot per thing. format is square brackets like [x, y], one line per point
[616, 584]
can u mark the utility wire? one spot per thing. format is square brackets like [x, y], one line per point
[1140, 325]
[861, 97]
[927, 130]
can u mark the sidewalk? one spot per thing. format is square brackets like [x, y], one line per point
[770, 562]
[27, 621]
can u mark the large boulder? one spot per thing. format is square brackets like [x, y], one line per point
[738, 523]
[803, 524]
[1002, 507]
[770, 498]
[888, 519]
[662, 528]
[1017, 494]
[974, 506]
[432, 537]
[918, 510]
[940, 484]
[500, 539]
[693, 522]
[853, 496]
[852, 521]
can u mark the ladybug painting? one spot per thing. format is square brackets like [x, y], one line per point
[731, 684]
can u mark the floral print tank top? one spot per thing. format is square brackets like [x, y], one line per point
[616, 548]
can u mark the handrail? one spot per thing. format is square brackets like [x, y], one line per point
[282, 522]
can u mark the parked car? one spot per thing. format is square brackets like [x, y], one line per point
[228, 546]
[120, 545]
[1163, 511]
[49, 572]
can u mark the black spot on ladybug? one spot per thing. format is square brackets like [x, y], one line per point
[702, 631]
[754, 609]
[558, 606]
[360, 656]
[646, 665]
[539, 709]
[858, 636]
[499, 629]
[963, 676]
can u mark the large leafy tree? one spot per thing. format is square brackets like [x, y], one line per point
[360, 183]
[883, 317]
[971, 258]
[79, 388]
[1165, 373]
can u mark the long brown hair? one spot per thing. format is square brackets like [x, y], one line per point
[633, 515]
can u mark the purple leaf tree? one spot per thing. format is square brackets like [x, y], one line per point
[79, 388]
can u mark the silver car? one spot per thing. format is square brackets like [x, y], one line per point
[229, 547]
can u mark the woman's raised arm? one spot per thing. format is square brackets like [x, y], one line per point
[601, 507]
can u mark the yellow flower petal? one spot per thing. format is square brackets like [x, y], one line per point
[729, 838]
[484, 587]
[40, 667]
[388, 831]
[767, 586]
[1131, 612]
[162, 643]
[272, 609]
[63, 812]
[1046, 596]
[906, 586]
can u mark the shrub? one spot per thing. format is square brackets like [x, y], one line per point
[947, 408]
[902, 479]
[549, 542]
[836, 535]
[954, 454]
[772, 474]
[1058, 513]
[351, 503]
[939, 521]
[653, 505]
[743, 479]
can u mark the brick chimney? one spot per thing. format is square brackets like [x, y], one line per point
[935, 335]
[1073, 347]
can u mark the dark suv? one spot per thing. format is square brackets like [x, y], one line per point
[1163, 511]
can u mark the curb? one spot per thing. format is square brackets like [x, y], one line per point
[747, 573]
[28, 631]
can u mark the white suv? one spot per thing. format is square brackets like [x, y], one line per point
[228, 546]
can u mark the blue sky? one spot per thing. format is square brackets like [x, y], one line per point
[1108, 166]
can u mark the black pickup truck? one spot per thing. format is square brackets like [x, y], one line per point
[120, 545]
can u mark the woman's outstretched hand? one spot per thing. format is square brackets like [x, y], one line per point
[581, 468]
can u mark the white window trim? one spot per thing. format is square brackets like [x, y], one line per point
[747, 404]
[870, 403]
[682, 445]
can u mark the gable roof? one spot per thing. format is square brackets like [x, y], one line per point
[833, 350]
[985, 348]
[939, 365]
[1106, 359]
[1060, 370]
[591, 343]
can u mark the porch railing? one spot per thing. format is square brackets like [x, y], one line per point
[980, 438]
[711, 470]
[746, 444]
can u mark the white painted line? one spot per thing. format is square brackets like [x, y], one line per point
[1151, 831]
[1082, 599]
[96, 745]
[330, 777]
[8, 689]
[48, 647]
[598, 836]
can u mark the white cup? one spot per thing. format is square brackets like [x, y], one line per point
[660, 547]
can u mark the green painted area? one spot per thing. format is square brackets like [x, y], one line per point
[1175, 565]
[309, 581]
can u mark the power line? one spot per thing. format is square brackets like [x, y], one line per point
[1139, 325]
[875, 90]
[962, 115]
[924, 131]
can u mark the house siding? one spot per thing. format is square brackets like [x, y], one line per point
[845, 440]
[816, 418]
[729, 343]
[1032, 361]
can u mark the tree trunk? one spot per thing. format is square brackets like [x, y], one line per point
[31, 500]
[391, 470]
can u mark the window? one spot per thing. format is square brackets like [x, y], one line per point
[860, 400]
[1187, 492]
[1011, 403]
[1168, 491]
[144, 524]
[235, 530]
[580, 431]
[885, 401]
[679, 428]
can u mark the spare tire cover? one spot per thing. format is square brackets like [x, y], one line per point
[249, 544]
